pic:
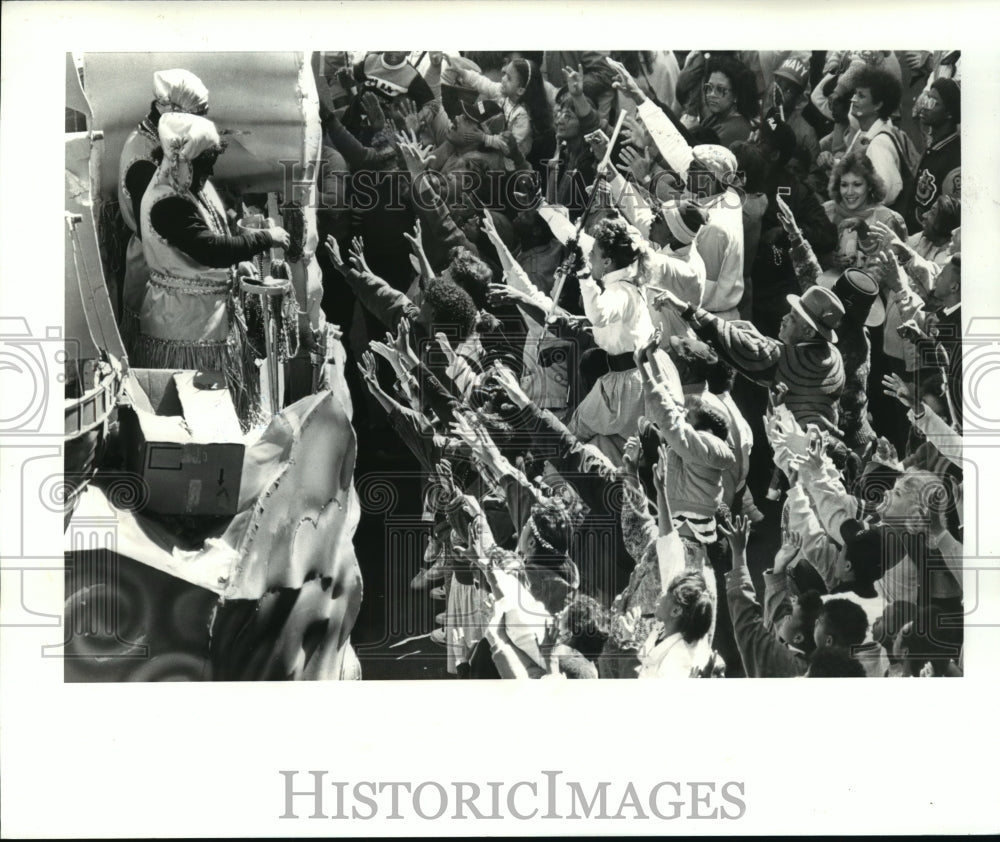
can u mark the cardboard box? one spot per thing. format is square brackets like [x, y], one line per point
[181, 436]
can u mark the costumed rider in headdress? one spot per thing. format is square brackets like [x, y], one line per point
[175, 91]
[191, 317]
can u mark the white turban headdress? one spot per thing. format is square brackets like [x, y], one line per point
[180, 91]
[184, 137]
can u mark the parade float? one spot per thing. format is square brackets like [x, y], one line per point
[195, 551]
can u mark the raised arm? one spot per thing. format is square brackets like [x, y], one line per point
[807, 268]
[763, 655]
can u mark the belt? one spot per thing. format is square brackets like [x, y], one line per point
[621, 362]
[190, 286]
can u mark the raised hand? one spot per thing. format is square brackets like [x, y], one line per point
[333, 249]
[660, 468]
[884, 234]
[574, 81]
[407, 113]
[911, 332]
[635, 162]
[403, 346]
[415, 239]
[345, 77]
[630, 620]
[635, 132]
[598, 141]
[785, 216]
[387, 351]
[737, 532]
[885, 454]
[373, 110]
[668, 299]
[498, 294]
[369, 370]
[489, 227]
[894, 386]
[510, 384]
[631, 454]
[643, 351]
[882, 266]
[357, 256]
[416, 158]
[624, 82]
[445, 347]
[791, 544]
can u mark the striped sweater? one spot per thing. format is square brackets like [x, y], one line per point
[812, 371]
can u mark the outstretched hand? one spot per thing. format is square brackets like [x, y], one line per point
[403, 345]
[369, 370]
[598, 142]
[415, 157]
[445, 345]
[737, 532]
[785, 216]
[510, 384]
[357, 256]
[635, 162]
[643, 351]
[574, 80]
[406, 112]
[668, 299]
[373, 110]
[791, 544]
[624, 82]
[414, 239]
[333, 250]
[894, 386]
[660, 468]
[489, 227]
[885, 454]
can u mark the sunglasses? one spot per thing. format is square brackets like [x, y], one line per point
[721, 90]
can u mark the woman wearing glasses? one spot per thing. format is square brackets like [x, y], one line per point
[729, 100]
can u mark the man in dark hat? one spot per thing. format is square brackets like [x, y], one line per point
[803, 357]
[939, 172]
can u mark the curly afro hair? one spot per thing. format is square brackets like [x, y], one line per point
[613, 237]
[470, 273]
[451, 306]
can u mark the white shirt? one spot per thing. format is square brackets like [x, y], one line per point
[671, 657]
[720, 244]
[881, 151]
[682, 274]
[619, 313]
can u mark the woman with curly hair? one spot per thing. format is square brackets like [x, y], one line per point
[729, 100]
[619, 313]
[856, 200]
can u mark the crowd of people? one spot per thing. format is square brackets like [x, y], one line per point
[632, 313]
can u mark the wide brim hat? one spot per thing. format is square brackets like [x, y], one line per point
[820, 309]
[857, 291]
